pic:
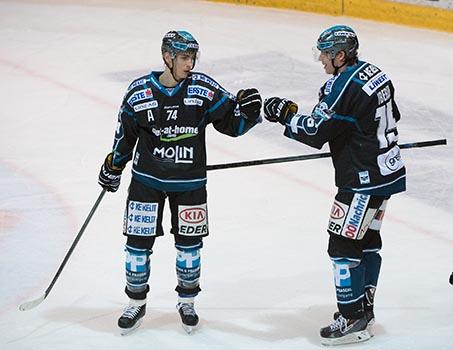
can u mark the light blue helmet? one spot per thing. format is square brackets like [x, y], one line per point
[338, 38]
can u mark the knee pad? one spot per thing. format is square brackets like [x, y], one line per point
[350, 284]
[138, 269]
[188, 269]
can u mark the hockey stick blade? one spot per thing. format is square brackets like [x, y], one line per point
[28, 305]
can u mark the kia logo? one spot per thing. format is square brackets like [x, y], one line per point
[337, 212]
[193, 215]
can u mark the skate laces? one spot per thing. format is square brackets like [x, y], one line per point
[131, 311]
[187, 309]
[340, 323]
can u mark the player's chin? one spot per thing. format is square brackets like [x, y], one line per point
[184, 75]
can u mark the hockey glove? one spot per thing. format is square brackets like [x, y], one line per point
[110, 175]
[249, 101]
[278, 109]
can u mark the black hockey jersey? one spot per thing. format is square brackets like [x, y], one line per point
[357, 116]
[167, 126]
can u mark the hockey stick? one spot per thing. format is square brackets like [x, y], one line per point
[33, 303]
[312, 156]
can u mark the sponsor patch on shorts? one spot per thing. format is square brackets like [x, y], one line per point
[351, 221]
[140, 218]
[193, 220]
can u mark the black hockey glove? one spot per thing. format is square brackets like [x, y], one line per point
[277, 109]
[250, 103]
[110, 175]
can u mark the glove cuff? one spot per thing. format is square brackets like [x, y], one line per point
[114, 169]
[288, 111]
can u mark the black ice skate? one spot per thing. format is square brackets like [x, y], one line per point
[131, 318]
[344, 331]
[189, 317]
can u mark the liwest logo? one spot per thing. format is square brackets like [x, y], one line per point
[375, 83]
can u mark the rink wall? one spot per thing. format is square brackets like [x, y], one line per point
[415, 14]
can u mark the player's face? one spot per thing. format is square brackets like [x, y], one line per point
[184, 63]
[326, 61]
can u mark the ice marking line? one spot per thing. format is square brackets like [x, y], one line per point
[56, 83]
[8, 219]
[321, 190]
[35, 285]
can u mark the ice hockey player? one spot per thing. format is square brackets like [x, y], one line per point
[164, 116]
[356, 115]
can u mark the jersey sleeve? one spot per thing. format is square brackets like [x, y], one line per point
[126, 134]
[321, 126]
[225, 114]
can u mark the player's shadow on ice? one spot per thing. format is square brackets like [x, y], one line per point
[269, 324]
[106, 320]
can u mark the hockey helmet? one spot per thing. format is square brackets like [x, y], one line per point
[179, 41]
[338, 38]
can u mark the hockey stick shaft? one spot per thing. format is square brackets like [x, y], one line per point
[313, 156]
[33, 303]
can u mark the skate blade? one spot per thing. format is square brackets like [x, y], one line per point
[356, 337]
[370, 330]
[127, 331]
[189, 329]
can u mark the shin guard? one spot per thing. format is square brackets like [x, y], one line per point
[138, 270]
[350, 285]
[188, 270]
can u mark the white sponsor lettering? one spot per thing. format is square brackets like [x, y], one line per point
[355, 216]
[178, 154]
[140, 218]
[137, 83]
[193, 102]
[205, 79]
[200, 91]
[145, 106]
[374, 84]
[139, 96]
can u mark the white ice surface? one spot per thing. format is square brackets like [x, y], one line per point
[266, 277]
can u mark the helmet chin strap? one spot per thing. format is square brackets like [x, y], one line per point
[173, 65]
[171, 69]
[337, 68]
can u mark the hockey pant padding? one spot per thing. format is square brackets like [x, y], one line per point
[349, 283]
[188, 269]
[138, 268]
